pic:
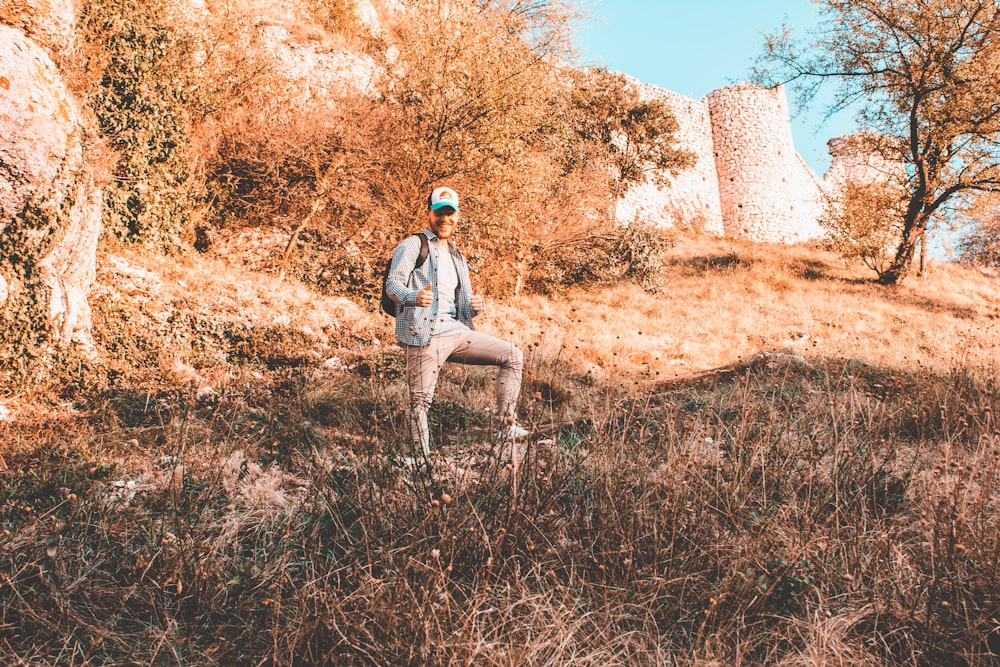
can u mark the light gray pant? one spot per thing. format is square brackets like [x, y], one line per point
[423, 365]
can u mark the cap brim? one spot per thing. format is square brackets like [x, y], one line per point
[442, 204]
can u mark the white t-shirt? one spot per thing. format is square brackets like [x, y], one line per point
[447, 278]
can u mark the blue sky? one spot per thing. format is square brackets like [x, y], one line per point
[693, 47]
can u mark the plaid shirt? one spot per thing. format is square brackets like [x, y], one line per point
[415, 326]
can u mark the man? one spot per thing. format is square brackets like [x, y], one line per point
[436, 304]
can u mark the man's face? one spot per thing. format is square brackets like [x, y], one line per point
[442, 221]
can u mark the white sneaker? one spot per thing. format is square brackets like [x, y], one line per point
[513, 432]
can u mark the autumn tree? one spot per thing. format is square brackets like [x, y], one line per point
[475, 93]
[864, 224]
[924, 71]
[605, 136]
[980, 245]
[479, 94]
[634, 135]
[461, 94]
[467, 94]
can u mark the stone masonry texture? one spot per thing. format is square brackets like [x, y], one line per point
[748, 182]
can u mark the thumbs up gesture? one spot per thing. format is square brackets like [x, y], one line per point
[478, 302]
[425, 297]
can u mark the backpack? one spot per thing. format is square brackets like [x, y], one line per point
[388, 305]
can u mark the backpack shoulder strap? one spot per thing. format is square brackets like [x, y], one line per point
[423, 250]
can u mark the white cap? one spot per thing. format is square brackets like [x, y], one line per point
[442, 197]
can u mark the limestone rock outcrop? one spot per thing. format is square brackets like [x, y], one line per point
[317, 77]
[50, 206]
[48, 23]
[316, 73]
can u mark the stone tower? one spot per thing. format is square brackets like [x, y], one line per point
[767, 192]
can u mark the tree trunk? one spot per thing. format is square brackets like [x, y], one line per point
[286, 257]
[900, 266]
[922, 268]
[914, 227]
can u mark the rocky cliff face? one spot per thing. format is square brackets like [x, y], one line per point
[317, 77]
[50, 207]
[47, 23]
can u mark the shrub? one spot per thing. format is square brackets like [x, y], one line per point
[25, 331]
[635, 252]
[335, 15]
[141, 61]
[980, 245]
[862, 223]
[638, 252]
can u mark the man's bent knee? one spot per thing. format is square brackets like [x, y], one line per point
[513, 360]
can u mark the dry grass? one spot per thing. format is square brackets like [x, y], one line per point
[724, 301]
[770, 461]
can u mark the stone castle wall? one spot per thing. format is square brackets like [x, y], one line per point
[692, 197]
[857, 158]
[767, 192]
[748, 182]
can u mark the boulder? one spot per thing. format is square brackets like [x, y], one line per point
[50, 206]
[316, 77]
[48, 23]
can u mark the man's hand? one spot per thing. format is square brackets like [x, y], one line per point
[478, 302]
[425, 297]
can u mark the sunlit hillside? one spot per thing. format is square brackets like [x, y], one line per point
[766, 459]
[721, 302]
[736, 453]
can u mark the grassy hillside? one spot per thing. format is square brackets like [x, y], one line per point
[769, 460]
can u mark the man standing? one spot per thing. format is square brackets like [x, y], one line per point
[435, 306]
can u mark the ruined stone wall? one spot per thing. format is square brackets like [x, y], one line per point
[767, 192]
[858, 158]
[748, 181]
[692, 197]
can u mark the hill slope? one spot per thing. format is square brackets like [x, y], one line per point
[769, 461]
